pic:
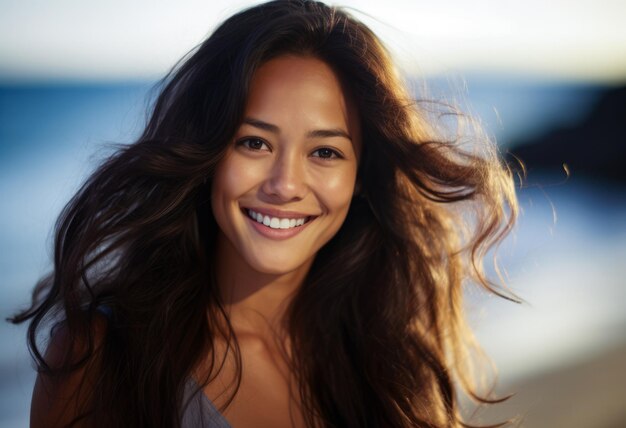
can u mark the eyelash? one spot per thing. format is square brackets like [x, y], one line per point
[245, 142]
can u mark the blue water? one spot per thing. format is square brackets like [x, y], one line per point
[568, 249]
[518, 109]
[50, 138]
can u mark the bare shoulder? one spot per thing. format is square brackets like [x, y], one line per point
[58, 401]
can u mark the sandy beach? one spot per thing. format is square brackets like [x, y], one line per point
[590, 393]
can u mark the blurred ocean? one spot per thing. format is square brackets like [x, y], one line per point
[565, 259]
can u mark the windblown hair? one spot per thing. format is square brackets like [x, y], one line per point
[377, 327]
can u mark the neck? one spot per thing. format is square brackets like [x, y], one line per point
[255, 302]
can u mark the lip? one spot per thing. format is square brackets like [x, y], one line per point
[277, 234]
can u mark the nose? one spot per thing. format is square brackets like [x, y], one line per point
[286, 181]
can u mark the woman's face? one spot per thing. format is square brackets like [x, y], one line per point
[284, 188]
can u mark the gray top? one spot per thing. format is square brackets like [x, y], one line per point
[198, 411]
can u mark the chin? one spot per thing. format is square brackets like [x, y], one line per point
[275, 265]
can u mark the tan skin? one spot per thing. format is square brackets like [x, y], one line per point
[295, 156]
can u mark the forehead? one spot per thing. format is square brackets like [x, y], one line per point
[293, 90]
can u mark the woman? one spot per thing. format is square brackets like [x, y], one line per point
[284, 245]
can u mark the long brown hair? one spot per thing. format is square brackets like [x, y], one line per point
[377, 327]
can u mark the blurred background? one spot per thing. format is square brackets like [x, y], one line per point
[547, 80]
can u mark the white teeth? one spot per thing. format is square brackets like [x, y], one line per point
[275, 222]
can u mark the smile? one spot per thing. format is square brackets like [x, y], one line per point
[276, 222]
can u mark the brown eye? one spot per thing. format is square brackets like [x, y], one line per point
[326, 153]
[252, 143]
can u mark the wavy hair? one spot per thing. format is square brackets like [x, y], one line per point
[377, 327]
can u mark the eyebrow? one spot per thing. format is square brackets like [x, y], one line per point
[316, 133]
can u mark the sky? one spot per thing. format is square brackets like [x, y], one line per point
[580, 40]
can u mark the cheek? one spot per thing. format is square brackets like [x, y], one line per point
[336, 190]
[234, 177]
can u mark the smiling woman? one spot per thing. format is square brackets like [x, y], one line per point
[285, 245]
[298, 164]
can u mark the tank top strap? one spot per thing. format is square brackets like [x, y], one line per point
[198, 410]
